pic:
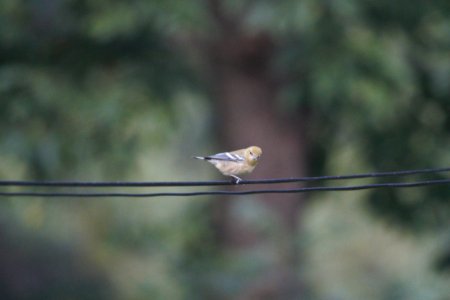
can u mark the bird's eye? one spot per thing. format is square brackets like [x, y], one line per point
[251, 153]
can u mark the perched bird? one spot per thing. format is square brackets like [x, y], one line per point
[236, 162]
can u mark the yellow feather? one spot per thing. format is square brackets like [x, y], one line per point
[232, 168]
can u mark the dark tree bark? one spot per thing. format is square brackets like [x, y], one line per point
[246, 90]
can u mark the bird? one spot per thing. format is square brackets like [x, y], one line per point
[236, 162]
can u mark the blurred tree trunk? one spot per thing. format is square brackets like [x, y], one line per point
[246, 91]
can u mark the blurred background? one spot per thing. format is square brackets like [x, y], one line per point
[131, 90]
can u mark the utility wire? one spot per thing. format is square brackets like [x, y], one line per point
[89, 184]
[248, 192]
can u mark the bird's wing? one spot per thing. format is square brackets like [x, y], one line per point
[226, 156]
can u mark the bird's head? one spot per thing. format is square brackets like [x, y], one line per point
[252, 154]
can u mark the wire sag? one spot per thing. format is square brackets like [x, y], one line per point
[110, 184]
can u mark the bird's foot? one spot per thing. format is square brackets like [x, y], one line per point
[236, 179]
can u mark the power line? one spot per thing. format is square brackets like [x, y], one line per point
[248, 192]
[92, 184]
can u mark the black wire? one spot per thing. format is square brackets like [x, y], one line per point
[249, 192]
[89, 184]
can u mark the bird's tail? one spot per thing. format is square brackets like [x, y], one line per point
[199, 157]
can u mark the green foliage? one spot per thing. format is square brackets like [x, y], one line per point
[85, 77]
[30, 267]
[367, 71]
[85, 89]
[109, 90]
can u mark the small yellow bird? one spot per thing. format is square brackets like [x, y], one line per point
[235, 163]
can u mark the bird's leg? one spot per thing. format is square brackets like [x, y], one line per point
[236, 179]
